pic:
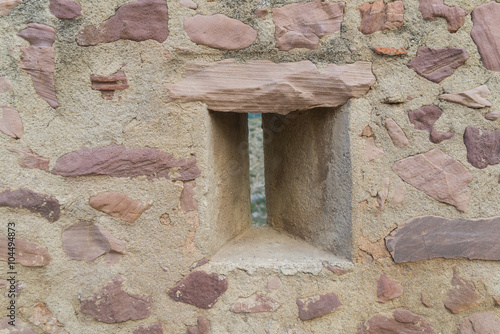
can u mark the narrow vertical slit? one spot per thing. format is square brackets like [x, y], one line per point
[257, 180]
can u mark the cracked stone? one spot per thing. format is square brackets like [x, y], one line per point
[118, 205]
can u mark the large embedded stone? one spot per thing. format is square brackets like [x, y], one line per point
[219, 32]
[455, 16]
[483, 146]
[27, 253]
[255, 304]
[118, 161]
[480, 323]
[38, 60]
[199, 289]
[378, 16]
[438, 175]
[45, 205]
[486, 34]
[402, 321]
[493, 115]
[437, 64]
[397, 135]
[372, 151]
[473, 98]
[6, 6]
[11, 123]
[317, 306]
[424, 119]
[118, 205]
[112, 304]
[65, 9]
[462, 295]
[388, 289]
[151, 329]
[263, 86]
[137, 21]
[86, 242]
[27, 159]
[303, 24]
[428, 237]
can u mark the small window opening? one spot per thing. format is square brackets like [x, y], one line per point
[257, 179]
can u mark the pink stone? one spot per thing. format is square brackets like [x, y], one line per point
[473, 98]
[462, 295]
[45, 320]
[38, 34]
[493, 115]
[118, 205]
[27, 159]
[11, 123]
[402, 321]
[486, 34]
[28, 253]
[372, 151]
[438, 175]
[151, 329]
[424, 119]
[437, 64]
[317, 306]
[480, 323]
[45, 205]
[388, 289]
[6, 6]
[483, 146]
[65, 9]
[219, 32]
[188, 4]
[378, 16]
[455, 16]
[255, 304]
[199, 289]
[397, 135]
[137, 21]
[399, 193]
[261, 12]
[5, 85]
[108, 84]
[303, 24]
[112, 304]
[202, 328]
[188, 202]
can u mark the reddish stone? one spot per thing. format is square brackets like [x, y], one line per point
[6, 6]
[480, 323]
[303, 24]
[219, 32]
[402, 321]
[112, 304]
[11, 123]
[202, 328]
[485, 34]
[438, 175]
[151, 329]
[428, 237]
[119, 161]
[378, 16]
[261, 12]
[27, 159]
[493, 115]
[397, 135]
[483, 146]
[65, 9]
[255, 304]
[455, 16]
[399, 194]
[334, 269]
[137, 21]
[38, 34]
[199, 289]
[20, 327]
[188, 202]
[45, 205]
[462, 295]
[108, 84]
[437, 64]
[424, 119]
[118, 205]
[390, 51]
[473, 98]
[44, 319]
[388, 289]
[27, 253]
[317, 306]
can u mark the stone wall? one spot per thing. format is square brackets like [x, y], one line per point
[124, 166]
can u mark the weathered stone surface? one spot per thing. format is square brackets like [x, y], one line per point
[455, 16]
[388, 289]
[28, 253]
[65, 9]
[202, 328]
[118, 161]
[86, 242]
[483, 146]
[263, 86]
[38, 60]
[486, 34]
[399, 193]
[151, 329]
[438, 175]
[255, 304]
[20, 328]
[390, 51]
[493, 115]
[473, 98]
[5, 85]
[108, 84]
[480, 323]
[11, 123]
[118, 205]
[45, 205]
[462, 295]
[424, 119]
[112, 304]
[377, 249]
[428, 237]
[437, 64]
[402, 321]
[377, 16]
[303, 24]
[397, 135]
[137, 21]
[199, 289]
[45, 320]
[261, 12]
[188, 4]
[317, 306]
[219, 32]
[6, 6]
[188, 202]
[335, 269]
[27, 159]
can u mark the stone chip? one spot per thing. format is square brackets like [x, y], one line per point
[28, 253]
[424, 119]
[462, 295]
[473, 98]
[455, 16]
[45, 205]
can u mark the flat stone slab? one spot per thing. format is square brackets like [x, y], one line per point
[486, 34]
[199, 289]
[483, 146]
[45, 205]
[402, 321]
[431, 9]
[261, 86]
[428, 237]
[317, 306]
[438, 64]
